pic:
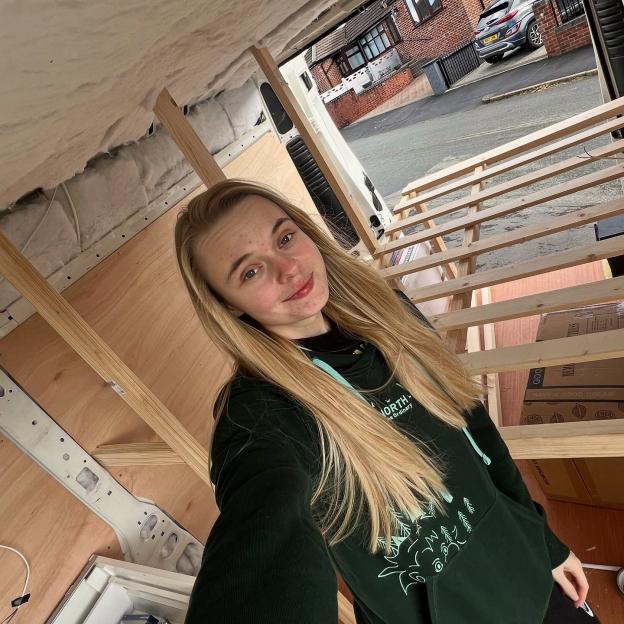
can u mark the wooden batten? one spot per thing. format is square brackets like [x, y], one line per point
[529, 232]
[456, 340]
[492, 380]
[523, 159]
[596, 438]
[517, 146]
[543, 264]
[533, 177]
[604, 345]
[552, 301]
[182, 133]
[538, 197]
[136, 454]
[64, 319]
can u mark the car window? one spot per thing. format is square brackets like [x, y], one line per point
[498, 9]
[495, 8]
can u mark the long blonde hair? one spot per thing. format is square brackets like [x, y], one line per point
[368, 464]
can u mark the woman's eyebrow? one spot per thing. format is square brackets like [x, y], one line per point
[237, 262]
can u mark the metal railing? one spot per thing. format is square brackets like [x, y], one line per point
[460, 62]
[569, 9]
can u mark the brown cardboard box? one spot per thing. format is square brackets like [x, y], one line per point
[575, 392]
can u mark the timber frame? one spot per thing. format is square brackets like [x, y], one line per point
[591, 439]
[583, 439]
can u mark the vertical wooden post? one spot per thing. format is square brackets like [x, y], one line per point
[456, 339]
[493, 385]
[437, 243]
[182, 133]
[317, 149]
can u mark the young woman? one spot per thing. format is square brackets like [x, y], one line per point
[350, 439]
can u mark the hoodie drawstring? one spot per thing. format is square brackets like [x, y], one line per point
[340, 379]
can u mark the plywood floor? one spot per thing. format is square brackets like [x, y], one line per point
[595, 535]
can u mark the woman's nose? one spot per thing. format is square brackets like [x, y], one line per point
[286, 269]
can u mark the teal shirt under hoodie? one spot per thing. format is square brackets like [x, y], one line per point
[488, 560]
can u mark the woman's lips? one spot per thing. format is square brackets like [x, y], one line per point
[304, 290]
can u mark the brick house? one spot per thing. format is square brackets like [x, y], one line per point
[563, 25]
[378, 52]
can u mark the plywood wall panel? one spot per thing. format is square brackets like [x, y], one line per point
[136, 301]
[594, 534]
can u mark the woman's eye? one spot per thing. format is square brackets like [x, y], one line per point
[245, 278]
[291, 234]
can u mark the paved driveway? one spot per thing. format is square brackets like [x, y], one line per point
[469, 97]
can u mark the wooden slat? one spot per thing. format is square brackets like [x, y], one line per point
[492, 379]
[182, 133]
[437, 244]
[522, 144]
[562, 299]
[136, 454]
[515, 205]
[345, 610]
[542, 264]
[524, 159]
[510, 185]
[317, 149]
[72, 328]
[605, 345]
[530, 232]
[456, 340]
[595, 438]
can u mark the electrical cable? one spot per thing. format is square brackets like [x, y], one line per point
[45, 214]
[23, 597]
[73, 209]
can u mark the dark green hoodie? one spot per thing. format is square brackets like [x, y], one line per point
[488, 560]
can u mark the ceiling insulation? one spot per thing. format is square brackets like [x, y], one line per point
[82, 78]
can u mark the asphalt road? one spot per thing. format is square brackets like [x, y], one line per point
[394, 153]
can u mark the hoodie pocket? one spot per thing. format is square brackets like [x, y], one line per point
[502, 576]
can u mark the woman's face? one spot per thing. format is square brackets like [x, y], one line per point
[256, 258]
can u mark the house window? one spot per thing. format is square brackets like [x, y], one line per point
[350, 60]
[374, 42]
[421, 10]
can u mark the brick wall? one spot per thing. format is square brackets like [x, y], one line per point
[326, 74]
[560, 38]
[473, 9]
[448, 29]
[349, 107]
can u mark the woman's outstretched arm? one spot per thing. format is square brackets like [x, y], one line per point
[265, 559]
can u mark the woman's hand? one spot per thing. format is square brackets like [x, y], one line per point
[578, 590]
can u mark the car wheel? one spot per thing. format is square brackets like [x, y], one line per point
[494, 59]
[533, 36]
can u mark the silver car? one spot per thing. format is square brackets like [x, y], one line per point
[506, 25]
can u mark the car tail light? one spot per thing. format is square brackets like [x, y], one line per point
[506, 17]
[513, 30]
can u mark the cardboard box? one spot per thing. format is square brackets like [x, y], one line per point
[579, 392]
